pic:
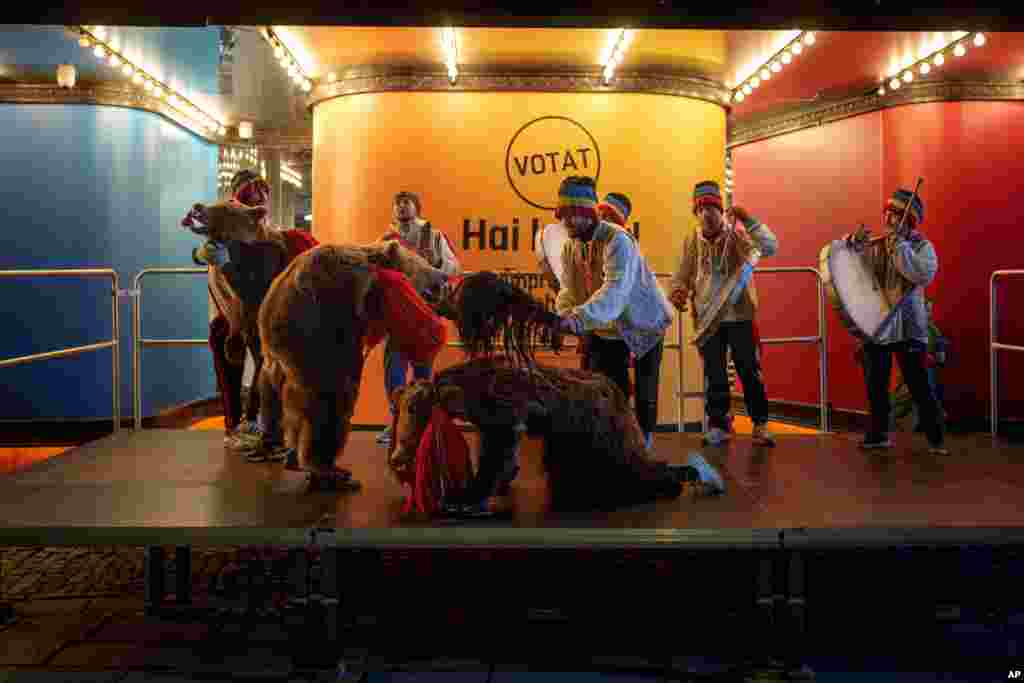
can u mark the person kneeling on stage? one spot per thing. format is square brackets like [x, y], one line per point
[904, 263]
[716, 270]
[610, 290]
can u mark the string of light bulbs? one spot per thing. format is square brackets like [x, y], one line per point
[937, 58]
[773, 65]
[287, 59]
[95, 38]
[290, 175]
[450, 46]
[615, 53]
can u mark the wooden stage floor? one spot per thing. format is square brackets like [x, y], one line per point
[185, 479]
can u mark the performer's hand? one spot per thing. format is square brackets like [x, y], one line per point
[860, 237]
[678, 298]
[738, 213]
[570, 324]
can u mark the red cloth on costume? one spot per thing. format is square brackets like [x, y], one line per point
[443, 467]
[406, 318]
[298, 241]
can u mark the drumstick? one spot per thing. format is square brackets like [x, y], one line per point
[904, 216]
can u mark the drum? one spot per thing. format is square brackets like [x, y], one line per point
[853, 290]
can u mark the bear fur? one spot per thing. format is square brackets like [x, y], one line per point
[594, 453]
[313, 325]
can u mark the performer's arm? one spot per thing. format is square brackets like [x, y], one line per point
[766, 241]
[918, 263]
[566, 301]
[681, 283]
[608, 303]
[449, 262]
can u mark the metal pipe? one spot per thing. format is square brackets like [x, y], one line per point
[62, 353]
[993, 347]
[137, 353]
[174, 342]
[823, 355]
[113, 343]
[116, 352]
[792, 340]
[137, 334]
[1007, 347]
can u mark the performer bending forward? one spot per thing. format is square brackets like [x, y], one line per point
[716, 270]
[904, 263]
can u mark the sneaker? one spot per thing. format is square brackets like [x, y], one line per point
[269, 452]
[716, 436]
[384, 438]
[762, 437]
[876, 441]
[707, 473]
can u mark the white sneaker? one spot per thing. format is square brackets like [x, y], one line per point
[716, 436]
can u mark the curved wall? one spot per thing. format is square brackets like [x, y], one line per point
[102, 187]
[818, 183]
[455, 149]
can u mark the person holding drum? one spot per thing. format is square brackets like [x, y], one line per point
[716, 271]
[903, 263]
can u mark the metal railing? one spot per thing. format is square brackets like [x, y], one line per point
[995, 346]
[138, 341]
[113, 344]
[821, 339]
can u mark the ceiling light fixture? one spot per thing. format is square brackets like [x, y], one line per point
[187, 113]
[615, 53]
[287, 59]
[450, 47]
[772, 65]
[933, 59]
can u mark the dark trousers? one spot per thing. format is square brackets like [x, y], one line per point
[739, 338]
[229, 377]
[610, 357]
[877, 375]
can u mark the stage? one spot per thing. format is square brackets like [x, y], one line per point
[168, 487]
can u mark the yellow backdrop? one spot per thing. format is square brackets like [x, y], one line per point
[490, 163]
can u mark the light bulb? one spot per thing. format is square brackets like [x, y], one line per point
[786, 57]
[307, 86]
[99, 32]
[222, 131]
[332, 77]
[776, 67]
[84, 41]
[128, 70]
[137, 78]
[149, 86]
[939, 60]
[100, 52]
[797, 48]
[279, 52]
[895, 84]
[925, 68]
[115, 61]
[747, 89]
[738, 97]
[959, 50]
[754, 82]
[979, 39]
[908, 76]
[765, 74]
[809, 39]
[881, 90]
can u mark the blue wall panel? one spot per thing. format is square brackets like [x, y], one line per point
[102, 187]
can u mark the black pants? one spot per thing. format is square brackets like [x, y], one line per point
[877, 375]
[610, 357]
[738, 337]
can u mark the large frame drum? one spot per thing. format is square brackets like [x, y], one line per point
[853, 290]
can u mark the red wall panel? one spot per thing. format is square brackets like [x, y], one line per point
[814, 185]
[810, 187]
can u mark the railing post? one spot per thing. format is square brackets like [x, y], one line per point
[116, 350]
[137, 351]
[993, 347]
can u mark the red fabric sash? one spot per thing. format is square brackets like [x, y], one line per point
[298, 241]
[443, 467]
[417, 330]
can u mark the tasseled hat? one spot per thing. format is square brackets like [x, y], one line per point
[706, 192]
[615, 208]
[898, 203]
[413, 197]
[577, 196]
[249, 188]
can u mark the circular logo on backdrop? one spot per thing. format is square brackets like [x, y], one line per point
[545, 151]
